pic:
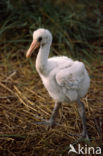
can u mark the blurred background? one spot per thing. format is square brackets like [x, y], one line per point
[76, 25]
[77, 29]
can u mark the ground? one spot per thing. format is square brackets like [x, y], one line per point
[24, 101]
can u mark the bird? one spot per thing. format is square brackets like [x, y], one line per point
[66, 80]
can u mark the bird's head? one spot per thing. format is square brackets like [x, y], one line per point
[41, 37]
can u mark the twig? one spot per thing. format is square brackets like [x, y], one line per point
[5, 87]
[11, 75]
[13, 136]
[6, 97]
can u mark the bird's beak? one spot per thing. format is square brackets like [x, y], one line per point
[34, 45]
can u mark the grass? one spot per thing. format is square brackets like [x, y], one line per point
[76, 25]
[77, 29]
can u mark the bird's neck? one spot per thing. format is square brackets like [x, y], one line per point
[42, 59]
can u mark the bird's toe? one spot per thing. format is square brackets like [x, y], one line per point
[51, 123]
[84, 137]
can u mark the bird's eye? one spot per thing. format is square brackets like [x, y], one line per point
[39, 39]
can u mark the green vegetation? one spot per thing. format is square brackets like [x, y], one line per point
[77, 26]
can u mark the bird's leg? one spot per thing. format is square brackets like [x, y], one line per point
[54, 114]
[81, 110]
[51, 122]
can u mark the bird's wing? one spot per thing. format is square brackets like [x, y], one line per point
[71, 77]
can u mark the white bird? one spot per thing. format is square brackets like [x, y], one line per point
[65, 80]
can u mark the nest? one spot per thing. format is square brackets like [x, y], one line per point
[24, 101]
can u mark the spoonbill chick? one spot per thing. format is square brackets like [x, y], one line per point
[66, 80]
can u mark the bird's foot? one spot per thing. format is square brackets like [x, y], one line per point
[49, 123]
[81, 137]
[84, 137]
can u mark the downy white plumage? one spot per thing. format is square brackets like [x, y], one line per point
[66, 80]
